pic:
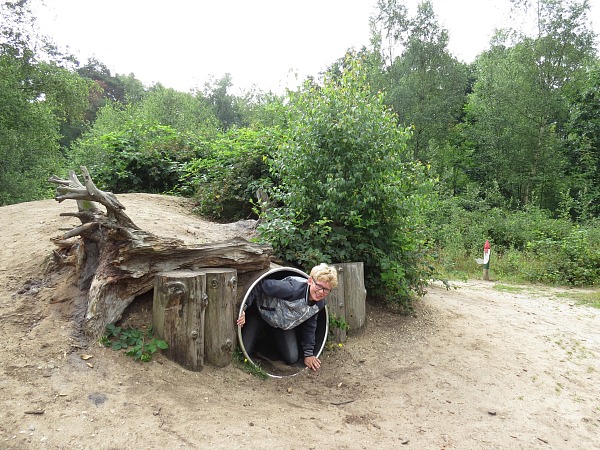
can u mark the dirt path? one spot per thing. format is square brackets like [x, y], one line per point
[475, 368]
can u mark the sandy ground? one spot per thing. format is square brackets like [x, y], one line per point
[474, 368]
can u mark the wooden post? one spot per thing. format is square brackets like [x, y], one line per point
[486, 260]
[337, 308]
[355, 294]
[219, 321]
[178, 313]
[348, 300]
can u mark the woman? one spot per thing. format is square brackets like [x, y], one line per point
[290, 306]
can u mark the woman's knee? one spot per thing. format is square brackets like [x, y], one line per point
[288, 345]
[290, 356]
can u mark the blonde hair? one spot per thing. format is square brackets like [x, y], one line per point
[326, 273]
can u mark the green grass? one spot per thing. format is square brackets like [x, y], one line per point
[508, 288]
[586, 298]
[242, 363]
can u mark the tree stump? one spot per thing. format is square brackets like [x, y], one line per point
[348, 301]
[193, 311]
[219, 321]
[115, 261]
[178, 313]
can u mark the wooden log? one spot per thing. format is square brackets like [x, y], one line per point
[129, 271]
[355, 294]
[115, 261]
[351, 295]
[178, 312]
[219, 321]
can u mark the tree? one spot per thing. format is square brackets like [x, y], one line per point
[36, 97]
[425, 84]
[143, 146]
[583, 143]
[519, 104]
[112, 88]
[185, 112]
[345, 193]
[224, 105]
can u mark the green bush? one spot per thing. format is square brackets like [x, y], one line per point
[574, 259]
[527, 245]
[345, 192]
[225, 180]
[139, 158]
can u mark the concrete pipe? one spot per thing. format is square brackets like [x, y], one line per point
[266, 355]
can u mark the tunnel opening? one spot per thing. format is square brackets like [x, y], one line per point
[266, 355]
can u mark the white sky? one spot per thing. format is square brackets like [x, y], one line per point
[269, 43]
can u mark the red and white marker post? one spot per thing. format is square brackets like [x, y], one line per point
[486, 260]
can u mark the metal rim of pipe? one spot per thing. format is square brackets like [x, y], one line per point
[293, 271]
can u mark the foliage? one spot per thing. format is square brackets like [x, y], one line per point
[337, 323]
[573, 259]
[345, 193]
[582, 201]
[225, 106]
[527, 245]
[183, 112]
[36, 97]
[250, 367]
[225, 178]
[105, 89]
[519, 105]
[142, 146]
[425, 85]
[139, 158]
[140, 344]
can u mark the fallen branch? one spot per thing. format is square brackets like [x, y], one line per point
[115, 261]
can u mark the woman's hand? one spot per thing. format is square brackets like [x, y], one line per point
[242, 319]
[312, 362]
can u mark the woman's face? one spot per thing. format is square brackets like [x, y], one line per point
[318, 290]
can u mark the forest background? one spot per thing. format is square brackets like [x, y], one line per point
[398, 155]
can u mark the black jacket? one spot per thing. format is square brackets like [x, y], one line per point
[290, 289]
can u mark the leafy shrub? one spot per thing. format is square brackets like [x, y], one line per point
[140, 344]
[574, 259]
[527, 245]
[225, 179]
[140, 158]
[345, 192]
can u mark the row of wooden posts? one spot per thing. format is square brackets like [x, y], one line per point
[195, 311]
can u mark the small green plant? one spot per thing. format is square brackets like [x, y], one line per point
[137, 343]
[335, 323]
[250, 367]
[338, 323]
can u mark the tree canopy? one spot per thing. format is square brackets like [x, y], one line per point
[397, 155]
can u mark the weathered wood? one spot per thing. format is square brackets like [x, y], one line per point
[115, 261]
[337, 310]
[348, 300]
[178, 315]
[130, 272]
[219, 321]
[355, 294]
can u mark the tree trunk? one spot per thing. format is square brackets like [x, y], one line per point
[347, 303]
[178, 314]
[115, 260]
[219, 322]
